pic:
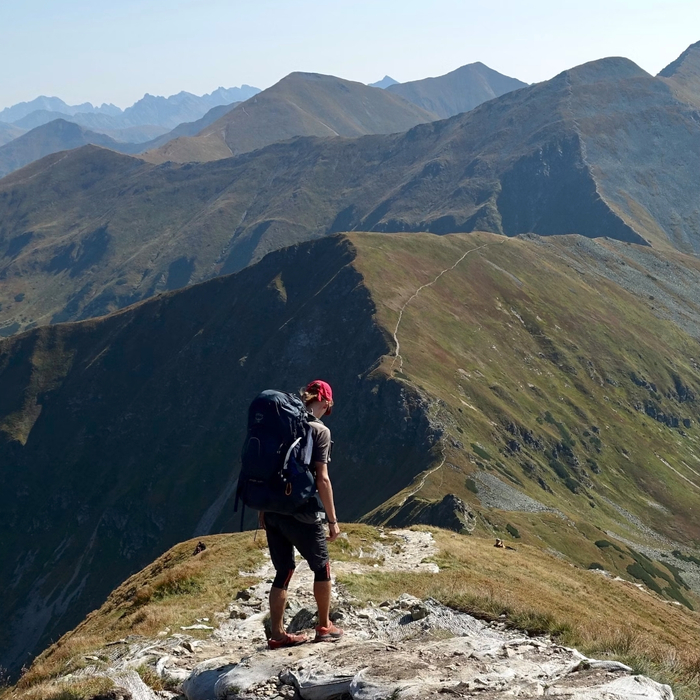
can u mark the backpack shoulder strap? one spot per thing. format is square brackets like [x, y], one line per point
[308, 446]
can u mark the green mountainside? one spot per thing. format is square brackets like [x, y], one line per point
[89, 232]
[544, 390]
[302, 104]
[457, 91]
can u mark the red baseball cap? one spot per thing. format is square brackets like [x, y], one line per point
[325, 393]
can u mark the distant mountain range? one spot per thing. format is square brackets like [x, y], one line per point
[302, 104]
[53, 104]
[62, 135]
[150, 110]
[91, 231]
[458, 91]
[293, 107]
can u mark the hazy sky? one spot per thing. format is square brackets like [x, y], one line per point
[117, 50]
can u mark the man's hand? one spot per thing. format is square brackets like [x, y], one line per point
[261, 520]
[333, 532]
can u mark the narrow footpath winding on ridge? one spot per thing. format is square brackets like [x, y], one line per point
[403, 648]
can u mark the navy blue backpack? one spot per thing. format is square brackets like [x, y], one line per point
[276, 456]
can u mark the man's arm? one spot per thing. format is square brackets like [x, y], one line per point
[325, 491]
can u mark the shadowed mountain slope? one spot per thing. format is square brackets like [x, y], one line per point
[587, 152]
[457, 91]
[57, 135]
[511, 376]
[302, 104]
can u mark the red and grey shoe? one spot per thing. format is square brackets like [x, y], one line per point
[328, 634]
[289, 640]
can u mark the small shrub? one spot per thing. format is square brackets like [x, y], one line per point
[559, 469]
[150, 677]
[513, 531]
[602, 544]
[471, 485]
[675, 594]
[636, 571]
[573, 485]
[480, 451]
[685, 557]
[596, 566]
[677, 575]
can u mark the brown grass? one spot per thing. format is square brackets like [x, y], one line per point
[536, 592]
[72, 689]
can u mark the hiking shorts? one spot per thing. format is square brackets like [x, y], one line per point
[285, 532]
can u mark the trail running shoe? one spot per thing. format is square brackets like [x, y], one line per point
[328, 634]
[289, 640]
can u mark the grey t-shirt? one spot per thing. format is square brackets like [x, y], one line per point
[321, 452]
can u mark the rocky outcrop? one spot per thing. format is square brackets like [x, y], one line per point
[402, 648]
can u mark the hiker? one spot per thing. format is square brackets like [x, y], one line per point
[305, 531]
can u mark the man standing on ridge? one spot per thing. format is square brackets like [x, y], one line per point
[305, 532]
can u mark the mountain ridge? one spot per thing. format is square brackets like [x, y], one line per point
[571, 155]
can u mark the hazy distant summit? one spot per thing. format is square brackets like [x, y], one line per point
[166, 112]
[459, 91]
[53, 104]
[384, 83]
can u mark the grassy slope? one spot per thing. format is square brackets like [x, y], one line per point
[533, 589]
[529, 366]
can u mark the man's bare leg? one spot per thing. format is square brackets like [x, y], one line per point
[322, 593]
[278, 602]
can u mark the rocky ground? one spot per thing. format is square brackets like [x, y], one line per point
[404, 648]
